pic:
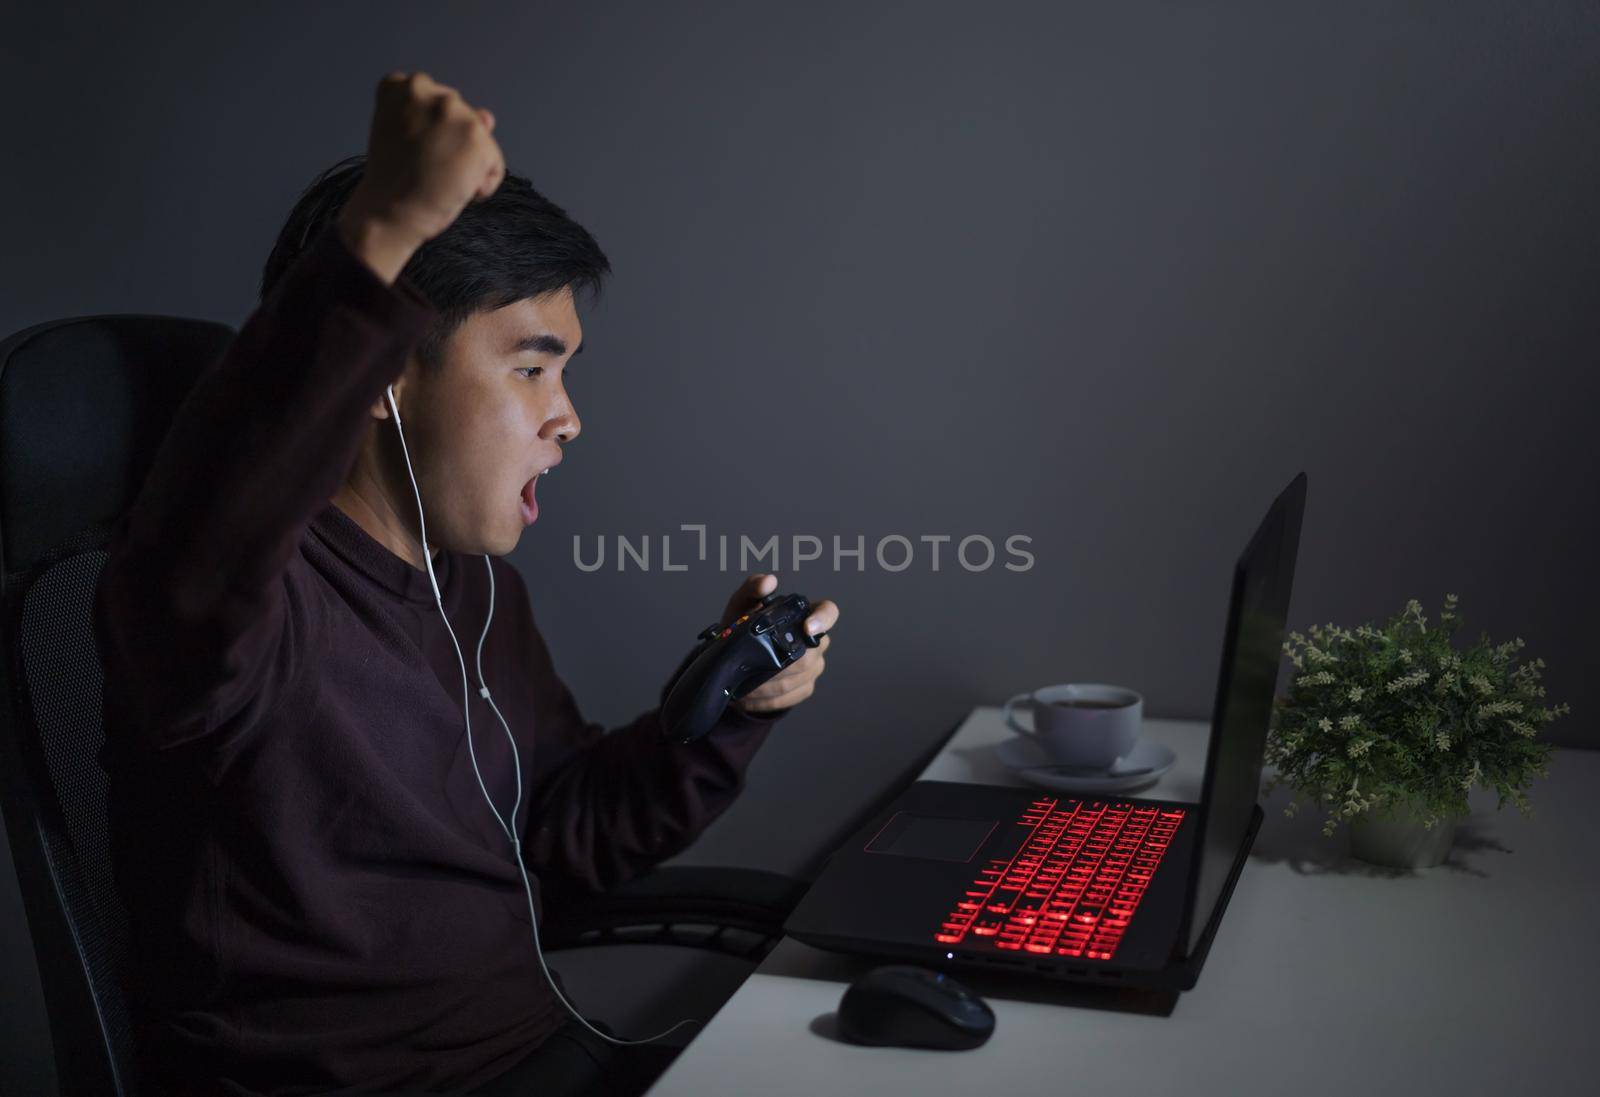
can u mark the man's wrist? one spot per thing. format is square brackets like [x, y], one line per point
[384, 246]
[739, 711]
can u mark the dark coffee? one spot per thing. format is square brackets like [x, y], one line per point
[1090, 702]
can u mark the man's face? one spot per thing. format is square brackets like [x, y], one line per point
[489, 422]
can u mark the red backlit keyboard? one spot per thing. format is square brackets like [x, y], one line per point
[1072, 888]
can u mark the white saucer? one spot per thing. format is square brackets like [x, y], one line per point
[1024, 757]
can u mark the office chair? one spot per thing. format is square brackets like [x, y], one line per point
[84, 404]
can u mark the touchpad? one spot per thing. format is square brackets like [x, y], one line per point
[932, 837]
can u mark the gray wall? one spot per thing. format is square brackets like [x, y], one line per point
[1106, 276]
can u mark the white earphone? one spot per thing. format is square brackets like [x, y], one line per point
[483, 691]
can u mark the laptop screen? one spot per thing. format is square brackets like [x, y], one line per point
[1252, 647]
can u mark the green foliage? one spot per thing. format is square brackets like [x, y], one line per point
[1398, 719]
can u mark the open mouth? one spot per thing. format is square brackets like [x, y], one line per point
[528, 504]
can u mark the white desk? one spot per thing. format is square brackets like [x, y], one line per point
[1327, 976]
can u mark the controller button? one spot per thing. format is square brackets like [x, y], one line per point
[789, 636]
[726, 631]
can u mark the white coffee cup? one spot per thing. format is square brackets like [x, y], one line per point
[1085, 724]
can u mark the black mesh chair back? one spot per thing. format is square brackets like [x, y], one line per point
[84, 404]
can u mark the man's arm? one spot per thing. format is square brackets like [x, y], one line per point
[607, 806]
[197, 624]
[193, 609]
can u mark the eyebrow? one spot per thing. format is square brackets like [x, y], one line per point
[545, 343]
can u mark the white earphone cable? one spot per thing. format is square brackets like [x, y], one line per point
[483, 691]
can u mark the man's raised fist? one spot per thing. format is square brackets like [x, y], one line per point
[429, 153]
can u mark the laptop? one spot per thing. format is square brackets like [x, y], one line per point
[1069, 887]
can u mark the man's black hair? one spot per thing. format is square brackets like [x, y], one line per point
[512, 245]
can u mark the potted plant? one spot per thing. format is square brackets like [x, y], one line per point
[1390, 728]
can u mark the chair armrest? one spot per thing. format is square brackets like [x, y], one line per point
[739, 911]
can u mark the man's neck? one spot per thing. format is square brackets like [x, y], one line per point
[383, 524]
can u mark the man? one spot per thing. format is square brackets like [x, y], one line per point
[321, 896]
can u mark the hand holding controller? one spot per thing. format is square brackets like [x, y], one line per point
[732, 660]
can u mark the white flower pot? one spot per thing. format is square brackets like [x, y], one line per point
[1400, 840]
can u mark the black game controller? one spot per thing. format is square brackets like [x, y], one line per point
[731, 661]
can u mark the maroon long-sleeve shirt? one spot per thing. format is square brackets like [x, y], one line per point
[321, 899]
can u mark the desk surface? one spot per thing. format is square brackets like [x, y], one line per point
[1327, 976]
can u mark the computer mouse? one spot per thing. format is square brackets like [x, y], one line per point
[909, 1006]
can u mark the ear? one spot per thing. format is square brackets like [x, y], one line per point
[380, 407]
